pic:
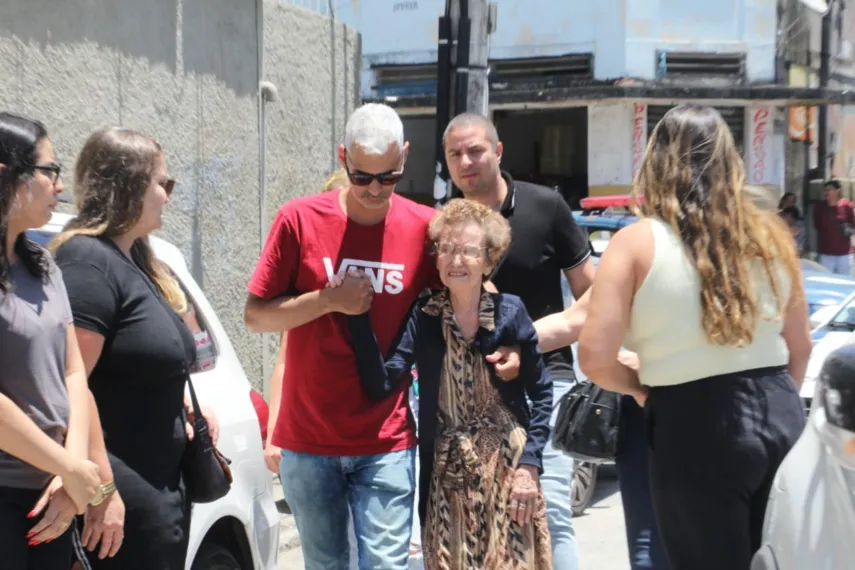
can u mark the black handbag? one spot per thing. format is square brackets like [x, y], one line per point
[586, 427]
[206, 471]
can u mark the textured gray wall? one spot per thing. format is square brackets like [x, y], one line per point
[186, 72]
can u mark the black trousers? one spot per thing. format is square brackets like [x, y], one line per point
[15, 552]
[715, 446]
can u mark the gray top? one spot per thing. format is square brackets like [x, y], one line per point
[34, 318]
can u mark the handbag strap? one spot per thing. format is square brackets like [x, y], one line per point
[197, 409]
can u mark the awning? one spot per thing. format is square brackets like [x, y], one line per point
[535, 96]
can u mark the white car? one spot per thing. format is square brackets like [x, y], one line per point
[810, 518]
[241, 530]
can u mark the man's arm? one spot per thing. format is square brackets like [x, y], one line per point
[581, 278]
[280, 314]
[562, 329]
[573, 251]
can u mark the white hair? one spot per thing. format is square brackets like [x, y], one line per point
[375, 128]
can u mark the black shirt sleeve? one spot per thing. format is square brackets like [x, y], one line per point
[572, 245]
[380, 376]
[92, 294]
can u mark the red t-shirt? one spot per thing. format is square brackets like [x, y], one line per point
[830, 239]
[324, 410]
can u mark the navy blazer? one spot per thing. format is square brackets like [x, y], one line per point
[421, 341]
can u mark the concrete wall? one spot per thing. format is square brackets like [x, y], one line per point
[610, 141]
[746, 26]
[186, 72]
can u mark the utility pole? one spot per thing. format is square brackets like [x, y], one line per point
[824, 77]
[462, 69]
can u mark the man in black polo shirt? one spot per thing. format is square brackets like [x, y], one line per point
[545, 242]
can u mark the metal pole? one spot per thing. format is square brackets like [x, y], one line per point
[443, 101]
[470, 23]
[472, 57]
[824, 76]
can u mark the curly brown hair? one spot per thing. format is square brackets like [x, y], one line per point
[693, 178]
[497, 230]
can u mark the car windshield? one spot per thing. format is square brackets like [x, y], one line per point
[845, 318]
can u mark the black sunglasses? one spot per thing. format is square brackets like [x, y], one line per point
[359, 178]
[169, 186]
[52, 171]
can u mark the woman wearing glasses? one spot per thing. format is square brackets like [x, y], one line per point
[480, 442]
[136, 348]
[44, 420]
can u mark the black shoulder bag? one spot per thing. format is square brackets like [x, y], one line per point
[207, 475]
[586, 427]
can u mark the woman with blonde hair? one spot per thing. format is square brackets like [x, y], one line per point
[335, 181]
[706, 289]
[127, 309]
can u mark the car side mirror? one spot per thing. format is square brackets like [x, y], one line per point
[838, 388]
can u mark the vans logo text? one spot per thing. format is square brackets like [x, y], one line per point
[385, 277]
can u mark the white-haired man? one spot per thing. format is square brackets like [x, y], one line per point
[342, 453]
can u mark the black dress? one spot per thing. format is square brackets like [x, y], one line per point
[138, 384]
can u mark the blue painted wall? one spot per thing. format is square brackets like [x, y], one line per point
[624, 35]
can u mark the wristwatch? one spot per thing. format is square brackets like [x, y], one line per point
[104, 491]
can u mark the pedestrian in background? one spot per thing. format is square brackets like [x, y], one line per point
[834, 220]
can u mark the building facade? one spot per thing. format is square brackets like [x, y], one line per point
[188, 73]
[576, 87]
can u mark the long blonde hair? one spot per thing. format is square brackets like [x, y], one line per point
[336, 180]
[111, 176]
[693, 178]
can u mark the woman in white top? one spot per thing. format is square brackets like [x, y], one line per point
[707, 290]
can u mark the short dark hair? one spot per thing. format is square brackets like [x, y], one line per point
[473, 120]
[834, 184]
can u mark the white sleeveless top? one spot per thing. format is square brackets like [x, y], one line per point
[666, 320]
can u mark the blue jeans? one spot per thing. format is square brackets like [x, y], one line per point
[646, 550]
[378, 492]
[556, 481]
[841, 264]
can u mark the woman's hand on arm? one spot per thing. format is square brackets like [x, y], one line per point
[380, 375]
[562, 329]
[608, 315]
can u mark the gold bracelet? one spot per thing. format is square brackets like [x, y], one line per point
[104, 491]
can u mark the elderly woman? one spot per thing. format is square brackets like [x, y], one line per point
[480, 501]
